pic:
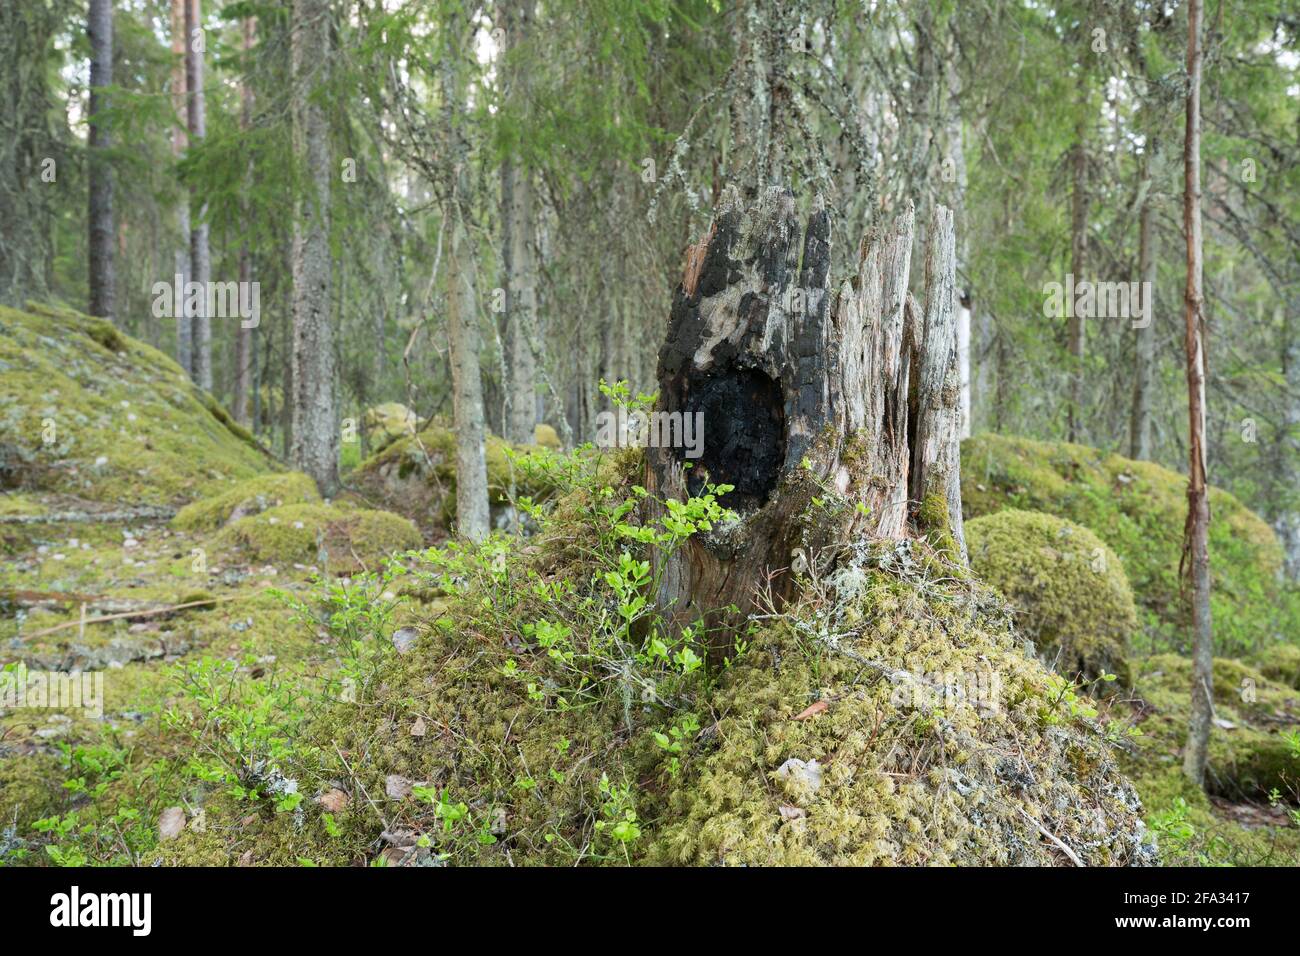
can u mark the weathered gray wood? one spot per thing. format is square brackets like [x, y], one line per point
[814, 403]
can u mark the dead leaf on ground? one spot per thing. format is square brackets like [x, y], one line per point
[812, 710]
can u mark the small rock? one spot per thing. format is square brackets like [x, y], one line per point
[397, 787]
[807, 774]
[171, 823]
[333, 801]
[404, 639]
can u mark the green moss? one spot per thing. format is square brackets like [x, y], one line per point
[247, 497]
[99, 415]
[909, 774]
[1070, 589]
[1138, 509]
[416, 476]
[335, 538]
[12, 503]
[1250, 757]
[30, 788]
[386, 423]
[545, 436]
[1280, 662]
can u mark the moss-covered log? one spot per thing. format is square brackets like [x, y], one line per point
[832, 414]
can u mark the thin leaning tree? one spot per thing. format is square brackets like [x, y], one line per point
[1196, 557]
[833, 411]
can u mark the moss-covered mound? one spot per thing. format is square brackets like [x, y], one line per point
[1250, 753]
[248, 497]
[1074, 600]
[416, 476]
[1138, 509]
[885, 720]
[336, 539]
[90, 412]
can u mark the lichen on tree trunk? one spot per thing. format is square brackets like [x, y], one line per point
[835, 415]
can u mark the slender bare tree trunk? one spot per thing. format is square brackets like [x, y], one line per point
[244, 351]
[472, 520]
[1196, 542]
[521, 280]
[200, 261]
[1075, 330]
[103, 278]
[1144, 365]
[1287, 522]
[180, 142]
[315, 440]
[472, 516]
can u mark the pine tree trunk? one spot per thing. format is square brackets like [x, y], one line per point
[835, 417]
[180, 141]
[200, 262]
[1144, 365]
[315, 436]
[472, 520]
[1075, 330]
[1196, 543]
[1287, 522]
[244, 351]
[99, 27]
[521, 286]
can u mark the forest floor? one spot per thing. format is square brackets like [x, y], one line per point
[259, 585]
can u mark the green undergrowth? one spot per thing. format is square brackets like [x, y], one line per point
[1070, 589]
[1138, 509]
[90, 412]
[537, 709]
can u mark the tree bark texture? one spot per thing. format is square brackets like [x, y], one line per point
[244, 351]
[315, 438]
[200, 261]
[102, 234]
[180, 141]
[1196, 541]
[1144, 365]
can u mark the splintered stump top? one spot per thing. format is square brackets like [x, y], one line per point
[834, 414]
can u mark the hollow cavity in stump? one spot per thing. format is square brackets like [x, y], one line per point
[744, 435]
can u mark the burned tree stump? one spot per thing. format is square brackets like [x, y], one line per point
[833, 414]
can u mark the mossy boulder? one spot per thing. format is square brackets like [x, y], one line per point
[1138, 509]
[386, 423]
[1074, 601]
[88, 411]
[1250, 754]
[416, 475]
[1281, 663]
[544, 436]
[248, 497]
[337, 539]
